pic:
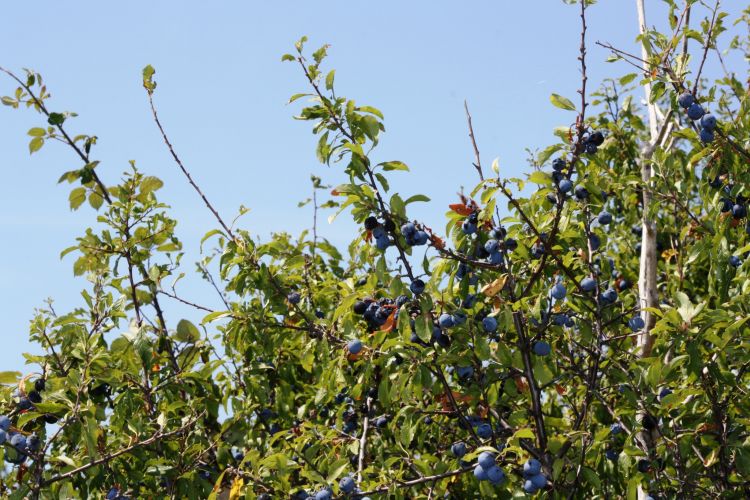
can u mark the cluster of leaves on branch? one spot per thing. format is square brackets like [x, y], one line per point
[491, 357]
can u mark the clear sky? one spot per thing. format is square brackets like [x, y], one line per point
[222, 97]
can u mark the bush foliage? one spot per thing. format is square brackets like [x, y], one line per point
[508, 351]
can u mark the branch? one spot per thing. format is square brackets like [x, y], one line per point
[158, 436]
[478, 163]
[184, 170]
[414, 482]
[68, 140]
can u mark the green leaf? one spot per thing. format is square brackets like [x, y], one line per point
[562, 102]
[394, 165]
[37, 132]
[187, 332]
[415, 198]
[7, 378]
[77, 197]
[148, 79]
[329, 79]
[35, 144]
[56, 119]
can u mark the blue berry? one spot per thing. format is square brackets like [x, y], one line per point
[708, 121]
[706, 135]
[458, 449]
[417, 286]
[489, 324]
[695, 111]
[492, 246]
[495, 474]
[542, 348]
[484, 431]
[558, 291]
[615, 428]
[354, 346]
[604, 217]
[480, 473]
[446, 321]
[588, 284]
[468, 227]
[636, 323]
[735, 261]
[293, 297]
[486, 460]
[686, 100]
[532, 467]
[565, 185]
[347, 484]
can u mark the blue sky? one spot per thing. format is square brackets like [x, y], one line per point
[222, 98]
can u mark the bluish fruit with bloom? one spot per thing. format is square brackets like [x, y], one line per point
[113, 493]
[484, 431]
[486, 459]
[33, 443]
[739, 211]
[347, 484]
[4, 422]
[379, 232]
[596, 138]
[541, 348]
[604, 217]
[706, 135]
[686, 100]
[735, 261]
[581, 193]
[615, 428]
[489, 323]
[458, 449]
[558, 164]
[612, 455]
[468, 227]
[354, 346]
[495, 475]
[3, 436]
[510, 244]
[18, 441]
[565, 185]
[417, 286]
[609, 296]
[492, 246]
[446, 321]
[708, 121]
[420, 238]
[480, 473]
[324, 494]
[636, 323]
[695, 111]
[558, 291]
[588, 284]
[293, 297]
[594, 242]
[382, 243]
[539, 481]
[495, 258]
[465, 372]
[532, 467]
[408, 229]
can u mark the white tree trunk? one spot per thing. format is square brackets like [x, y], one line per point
[647, 273]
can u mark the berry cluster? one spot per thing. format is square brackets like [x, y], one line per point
[487, 470]
[535, 479]
[696, 112]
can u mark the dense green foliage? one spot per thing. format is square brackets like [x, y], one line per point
[522, 343]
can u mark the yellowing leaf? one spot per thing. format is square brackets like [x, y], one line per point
[236, 490]
[562, 102]
[492, 289]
